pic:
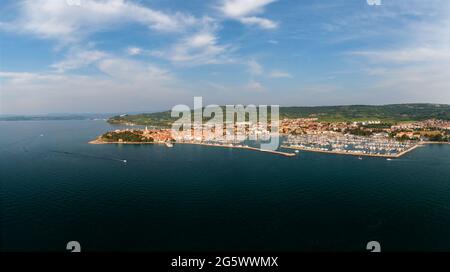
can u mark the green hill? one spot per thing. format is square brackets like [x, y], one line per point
[386, 113]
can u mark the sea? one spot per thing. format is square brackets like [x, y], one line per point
[56, 188]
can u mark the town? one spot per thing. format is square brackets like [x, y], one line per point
[360, 138]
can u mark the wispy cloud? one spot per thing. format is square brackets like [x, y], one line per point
[261, 22]
[244, 11]
[254, 86]
[134, 51]
[199, 48]
[58, 20]
[279, 74]
[417, 68]
[417, 54]
[137, 50]
[79, 59]
[254, 68]
[122, 85]
[242, 8]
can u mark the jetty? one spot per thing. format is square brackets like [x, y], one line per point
[286, 154]
[359, 154]
[275, 152]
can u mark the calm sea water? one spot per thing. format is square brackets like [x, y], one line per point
[56, 188]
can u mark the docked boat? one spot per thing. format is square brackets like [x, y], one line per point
[169, 144]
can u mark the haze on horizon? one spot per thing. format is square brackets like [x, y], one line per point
[77, 56]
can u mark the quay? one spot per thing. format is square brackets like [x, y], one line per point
[359, 154]
[242, 147]
[286, 154]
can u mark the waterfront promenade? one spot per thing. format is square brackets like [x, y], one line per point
[285, 154]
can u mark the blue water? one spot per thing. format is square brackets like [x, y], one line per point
[56, 188]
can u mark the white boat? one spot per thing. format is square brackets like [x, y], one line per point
[169, 144]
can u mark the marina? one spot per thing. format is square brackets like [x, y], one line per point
[345, 144]
[352, 153]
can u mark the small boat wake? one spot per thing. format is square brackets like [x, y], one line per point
[400, 160]
[80, 155]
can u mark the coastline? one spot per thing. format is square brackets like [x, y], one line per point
[358, 154]
[285, 154]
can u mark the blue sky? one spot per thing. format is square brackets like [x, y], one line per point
[146, 55]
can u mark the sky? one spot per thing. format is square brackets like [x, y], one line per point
[93, 56]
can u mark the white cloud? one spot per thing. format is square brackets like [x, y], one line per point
[254, 68]
[198, 49]
[261, 22]
[418, 72]
[243, 11]
[242, 8]
[254, 86]
[58, 20]
[132, 71]
[134, 51]
[280, 74]
[79, 59]
[123, 85]
[13, 78]
[418, 54]
[203, 39]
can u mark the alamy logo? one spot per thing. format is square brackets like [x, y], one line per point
[73, 246]
[237, 124]
[373, 246]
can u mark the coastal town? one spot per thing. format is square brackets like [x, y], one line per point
[360, 138]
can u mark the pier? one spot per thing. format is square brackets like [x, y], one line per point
[359, 154]
[285, 154]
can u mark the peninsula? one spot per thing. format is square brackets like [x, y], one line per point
[166, 137]
[389, 131]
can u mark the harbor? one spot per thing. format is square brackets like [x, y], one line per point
[170, 145]
[344, 144]
[352, 153]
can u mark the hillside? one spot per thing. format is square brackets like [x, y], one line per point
[387, 113]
